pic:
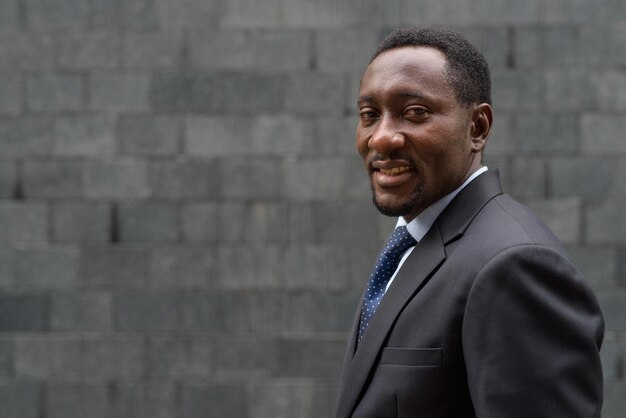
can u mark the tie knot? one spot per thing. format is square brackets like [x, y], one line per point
[399, 241]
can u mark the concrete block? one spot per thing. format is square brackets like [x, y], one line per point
[80, 311]
[246, 356]
[183, 178]
[326, 94]
[621, 267]
[602, 135]
[562, 216]
[148, 135]
[604, 222]
[318, 311]
[250, 178]
[189, 13]
[233, 222]
[613, 309]
[147, 222]
[311, 266]
[528, 178]
[518, 90]
[569, 90]
[571, 177]
[211, 400]
[613, 355]
[266, 223]
[493, 42]
[152, 50]
[21, 137]
[231, 94]
[81, 222]
[51, 268]
[181, 268]
[183, 357]
[265, 134]
[199, 222]
[52, 179]
[20, 399]
[603, 43]
[492, 11]
[221, 312]
[24, 313]
[145, 400]
[119, 178]
[608, 89]
[502, 140]
[324, 357]
[119, 92]
[145, 311]
[10, 14]
[182, 93]
[344, 50]
[113, 268]
[97, 49]
[27, 51]
[249, 267]
[110, 356]
[548, 134]
[333, 135]
[316, 178]
[260, 51]
[571, 11]
[8, 179]
[598, 264]
[6, 357]
[57, 14]
[119, 14]
[23, 222]
[614, 395]
[554, 46]
[54, 93]
[48, 356]
[250, 14]
[8, 268]
[282, 398]
[84, 136]
[11, 96]
[73, 400]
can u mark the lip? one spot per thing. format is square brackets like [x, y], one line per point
[391, 173]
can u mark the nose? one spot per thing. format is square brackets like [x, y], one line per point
[386, 138]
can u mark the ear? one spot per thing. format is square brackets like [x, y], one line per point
[482, 120]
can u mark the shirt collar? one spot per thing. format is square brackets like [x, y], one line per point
[419, 226]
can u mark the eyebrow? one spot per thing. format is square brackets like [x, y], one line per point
[404, 94]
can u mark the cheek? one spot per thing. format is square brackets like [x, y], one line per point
[362, 145]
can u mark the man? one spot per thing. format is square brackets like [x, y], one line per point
[473, 308]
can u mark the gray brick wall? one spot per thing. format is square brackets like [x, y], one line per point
[179, 186]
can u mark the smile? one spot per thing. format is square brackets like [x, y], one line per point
[394, 171]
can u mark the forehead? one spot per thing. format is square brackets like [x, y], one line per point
[413, 67]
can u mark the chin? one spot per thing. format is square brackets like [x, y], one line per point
[391, 206]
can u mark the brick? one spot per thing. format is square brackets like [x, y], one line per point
[80, 311]
[8, 179]
[89, 50]
[64, 400]
[324, 357]
[518, 90]
[24, 313]
[52, 179]
[109, 356]
[25, 136]
[598, 264]
[109, 268]
[261, 51]
[181, 268]
[315, 178]
[23, 222]
[248, 267]
[57, 14]
[145, 400]
[614, 395]
[143, 311]
[48, 356]
[551, 134]
[179, 357]
[561, 215]
[326, 94]
[183, 178]
[246, 356]
[147, 222]
[51, 268]
[213, 400]
[182, 93]
[231, 94]
[344, 50]
[129, 14]
[84, 136]
[310, 266]
[613, 309]
[222, 136]
[54, 93]
[250, 178]
[81, 222]
[602, 135]
[528, 178]
[604, 222]
[6, 357]
[11, 97]
[188, 13]
[152, 50]
[119, 92]
[20, 399]
[608, 89]
[199, 222]
[21, 50]
[144, 134]
[571, 177]
[119, 178]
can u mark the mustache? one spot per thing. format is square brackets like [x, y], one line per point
[395, 155]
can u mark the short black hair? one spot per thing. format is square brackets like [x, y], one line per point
[466, 69]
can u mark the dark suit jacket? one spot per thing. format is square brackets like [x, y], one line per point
[486, 318]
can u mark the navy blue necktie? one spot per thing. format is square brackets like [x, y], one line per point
[386, 265]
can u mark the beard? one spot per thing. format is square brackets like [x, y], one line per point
[406, 207]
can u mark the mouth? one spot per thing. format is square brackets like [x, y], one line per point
[394, 170]
[391, 174]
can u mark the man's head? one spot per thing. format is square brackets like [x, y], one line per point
[424, 118]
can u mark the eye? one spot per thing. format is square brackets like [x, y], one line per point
[368, 115]
[416, 111]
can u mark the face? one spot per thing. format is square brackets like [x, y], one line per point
[418, 142]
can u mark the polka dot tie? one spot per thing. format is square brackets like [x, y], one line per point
[386, 265]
